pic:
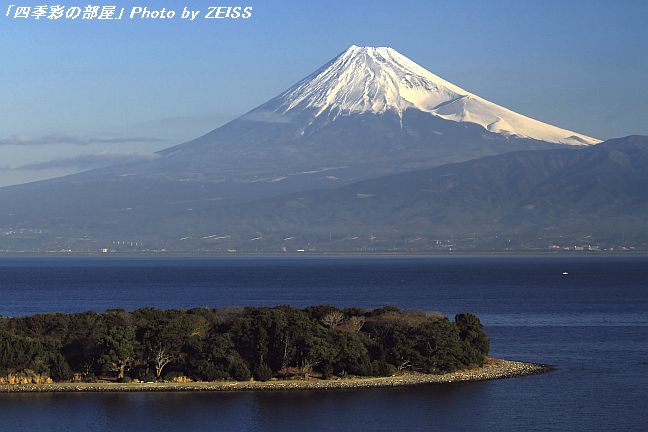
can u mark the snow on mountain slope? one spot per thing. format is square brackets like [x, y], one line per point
[375, 80]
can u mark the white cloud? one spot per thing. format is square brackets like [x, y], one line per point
[62, 139]
[85, 161]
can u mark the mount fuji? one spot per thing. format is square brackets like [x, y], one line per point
[379, 80]
[368, 113]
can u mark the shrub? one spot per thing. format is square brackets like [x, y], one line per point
[148, 377]
[90, 378]
[208, 371]
[262, 372]
[382, 368]
[170, 376]
[240, 371]
[59, 370]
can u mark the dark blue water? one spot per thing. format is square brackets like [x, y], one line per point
[591, 324]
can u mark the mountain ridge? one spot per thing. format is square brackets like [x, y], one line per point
[527, 200]
[594, 195]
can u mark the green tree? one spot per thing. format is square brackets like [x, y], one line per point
[352, 356]
[19, 353]
[117, 349]
[215, 358]
[441, 348]
[475, 341]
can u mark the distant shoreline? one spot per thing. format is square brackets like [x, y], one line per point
[493, 369]
[430, 254]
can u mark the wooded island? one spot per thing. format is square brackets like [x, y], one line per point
[236, 344]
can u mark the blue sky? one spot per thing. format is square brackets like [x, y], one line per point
[76, 93]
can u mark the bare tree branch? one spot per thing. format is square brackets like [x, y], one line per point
[332, 319]
[162, 358]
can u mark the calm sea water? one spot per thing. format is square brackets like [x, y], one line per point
[591, 324]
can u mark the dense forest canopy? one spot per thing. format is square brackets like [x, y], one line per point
[239, 343]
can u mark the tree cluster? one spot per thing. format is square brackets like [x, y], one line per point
[239, 343]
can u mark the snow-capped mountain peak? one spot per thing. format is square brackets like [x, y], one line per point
[380, 79]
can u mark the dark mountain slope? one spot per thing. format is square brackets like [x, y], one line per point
[598, 193]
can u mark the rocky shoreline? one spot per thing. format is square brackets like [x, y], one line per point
[493, 369]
